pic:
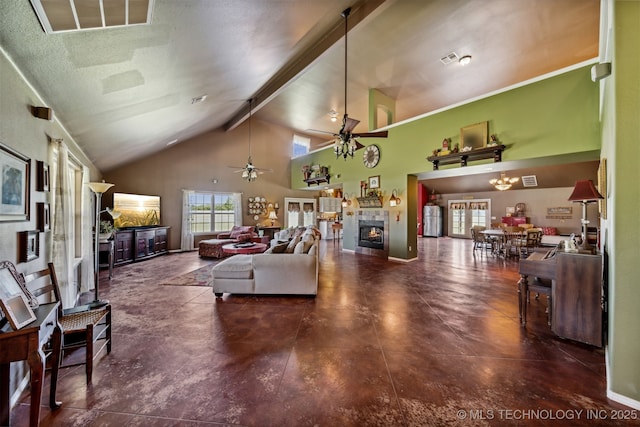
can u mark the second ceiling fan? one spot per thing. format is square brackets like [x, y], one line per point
[345, 144]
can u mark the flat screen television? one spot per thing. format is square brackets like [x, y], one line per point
[136, 210]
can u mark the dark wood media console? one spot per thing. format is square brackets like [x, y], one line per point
[138, 244]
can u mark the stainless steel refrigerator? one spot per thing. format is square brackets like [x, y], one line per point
[432, 220]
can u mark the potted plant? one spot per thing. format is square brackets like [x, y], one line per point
[106, 230]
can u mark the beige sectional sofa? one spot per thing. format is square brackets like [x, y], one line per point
[290, 268]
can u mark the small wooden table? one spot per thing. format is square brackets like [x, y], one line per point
[107, 247]
[26, 344]
[256, 248]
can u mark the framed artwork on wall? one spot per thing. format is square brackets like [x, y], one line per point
[42, 176]
[374, 181]
[14, 185]
[474, 136]
[43, 217]
[29, 246]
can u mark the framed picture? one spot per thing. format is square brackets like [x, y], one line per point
[29, 246]
[42, 176]
[560, 212]
[10, 285]
[16, 309]
[14, 185]
[43, 217]
[474, 136]
[374, 181]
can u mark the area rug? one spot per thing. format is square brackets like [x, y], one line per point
[199, 277]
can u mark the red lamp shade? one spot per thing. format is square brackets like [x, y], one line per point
[584, 191]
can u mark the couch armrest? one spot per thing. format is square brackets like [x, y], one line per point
[225, 235]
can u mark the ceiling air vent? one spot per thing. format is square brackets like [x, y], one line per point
[449, 58]
[529, 181]
[75, 15]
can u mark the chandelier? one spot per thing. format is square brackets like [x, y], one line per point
[504, 182]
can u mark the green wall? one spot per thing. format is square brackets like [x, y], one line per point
[558, 115]
[621, 127]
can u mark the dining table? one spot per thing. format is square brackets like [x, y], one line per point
[503, 241]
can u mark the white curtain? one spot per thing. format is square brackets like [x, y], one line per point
[186, 240]
[88, 220]
[237, 208]
[62, 221]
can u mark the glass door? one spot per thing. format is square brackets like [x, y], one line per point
[299, 212]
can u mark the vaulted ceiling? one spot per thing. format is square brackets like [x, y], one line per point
[125, 92]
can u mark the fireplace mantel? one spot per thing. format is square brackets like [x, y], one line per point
[370, 202]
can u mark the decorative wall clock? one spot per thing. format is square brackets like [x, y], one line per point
[371, 156]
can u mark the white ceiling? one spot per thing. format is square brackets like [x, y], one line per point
[124, 93]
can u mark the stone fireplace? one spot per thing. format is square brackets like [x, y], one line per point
[372, 237]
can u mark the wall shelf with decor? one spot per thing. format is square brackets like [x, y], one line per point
[318, 179]
[370, 202]
[463, 157]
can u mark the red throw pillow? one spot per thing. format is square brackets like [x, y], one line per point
[549, 231]
[244, 237]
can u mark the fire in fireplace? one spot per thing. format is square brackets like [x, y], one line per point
[371, 234]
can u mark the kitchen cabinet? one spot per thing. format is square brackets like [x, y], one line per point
[330, 204]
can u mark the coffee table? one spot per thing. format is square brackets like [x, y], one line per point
[255, 249]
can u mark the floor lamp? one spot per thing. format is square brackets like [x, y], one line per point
[98, 188]
[585, 192]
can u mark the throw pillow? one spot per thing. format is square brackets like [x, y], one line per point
[244, 237]
[284, 234]
[279, 248]
[292, 245]
[550, 231]
[303, 247]
[235, 233]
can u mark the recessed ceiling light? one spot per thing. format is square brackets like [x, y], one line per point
[198, 99]
[465, 60]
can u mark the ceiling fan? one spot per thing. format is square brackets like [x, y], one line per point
[345, 143]
[249, 171]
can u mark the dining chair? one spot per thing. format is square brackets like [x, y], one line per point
[513, 239]
[480, 241]
[81, 326]
[530, 241]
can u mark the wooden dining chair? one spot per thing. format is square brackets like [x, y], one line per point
[530, 241]
[81, 327]
[513, 239]
[480, 241]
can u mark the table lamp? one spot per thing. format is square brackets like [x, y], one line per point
[273, 217]
[585, 192]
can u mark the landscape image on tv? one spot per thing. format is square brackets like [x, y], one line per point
[136, 210]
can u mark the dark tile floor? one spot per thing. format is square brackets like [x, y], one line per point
[432, 342]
